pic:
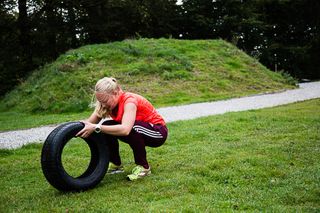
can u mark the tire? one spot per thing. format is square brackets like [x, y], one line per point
[52, 165]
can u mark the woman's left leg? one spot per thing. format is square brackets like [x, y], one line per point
[144, 134]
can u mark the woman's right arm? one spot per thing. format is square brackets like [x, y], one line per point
[93, 119]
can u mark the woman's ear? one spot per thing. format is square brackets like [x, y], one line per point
[116, 93]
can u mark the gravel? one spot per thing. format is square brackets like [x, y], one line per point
[306, 91]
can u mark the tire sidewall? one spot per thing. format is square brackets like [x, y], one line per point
[59, 178]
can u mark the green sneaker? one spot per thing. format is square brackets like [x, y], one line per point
[139, 172]
[114, 169]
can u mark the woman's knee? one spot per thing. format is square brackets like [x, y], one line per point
[110, 122]
[155, 143]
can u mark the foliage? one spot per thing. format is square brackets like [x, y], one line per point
[262, 160]
[292, 31]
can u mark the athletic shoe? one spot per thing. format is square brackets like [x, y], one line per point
[139, 172]
[114, 169]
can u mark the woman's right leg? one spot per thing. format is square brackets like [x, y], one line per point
[113, 144]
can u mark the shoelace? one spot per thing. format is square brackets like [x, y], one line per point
[137, 170]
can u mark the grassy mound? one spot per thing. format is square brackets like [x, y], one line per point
[166, 71]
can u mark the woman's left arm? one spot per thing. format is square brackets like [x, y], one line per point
[128, 119]
[123, 129]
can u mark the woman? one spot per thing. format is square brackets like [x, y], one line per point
[133, 120]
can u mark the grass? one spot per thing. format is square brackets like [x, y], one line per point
[166, 71]
[19, 120]
[259, 160]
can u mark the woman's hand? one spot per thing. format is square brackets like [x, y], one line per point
[87, 129]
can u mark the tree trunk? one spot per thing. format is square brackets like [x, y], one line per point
[24, 36]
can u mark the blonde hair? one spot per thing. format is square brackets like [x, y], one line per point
[106, 86]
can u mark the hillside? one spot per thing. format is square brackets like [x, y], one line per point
[166, 71]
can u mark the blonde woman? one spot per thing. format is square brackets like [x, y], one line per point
[133, 120]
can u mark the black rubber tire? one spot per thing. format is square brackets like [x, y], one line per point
[52, 165]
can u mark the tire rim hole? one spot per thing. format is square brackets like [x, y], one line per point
[75, 157]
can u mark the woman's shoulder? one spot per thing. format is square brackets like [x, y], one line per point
[137, 99]
[129, 97]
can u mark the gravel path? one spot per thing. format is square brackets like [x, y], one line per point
[306, 91]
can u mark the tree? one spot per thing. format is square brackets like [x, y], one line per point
[11, 69]
[292, 29]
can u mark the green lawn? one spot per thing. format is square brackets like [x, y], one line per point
[20, 120]
[262, 160]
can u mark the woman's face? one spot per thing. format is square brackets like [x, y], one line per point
[108, 101]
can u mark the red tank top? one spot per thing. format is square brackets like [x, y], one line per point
[145, 111]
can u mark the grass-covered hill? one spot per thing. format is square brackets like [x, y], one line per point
[166, 71]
